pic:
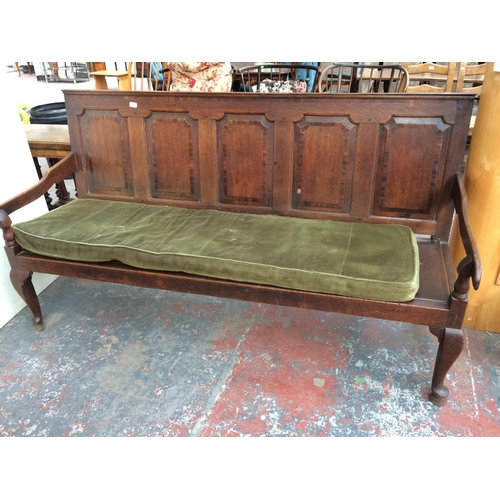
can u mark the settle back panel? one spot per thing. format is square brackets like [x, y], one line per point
[371, 158]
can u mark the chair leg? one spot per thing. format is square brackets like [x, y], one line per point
[451, 343]
[21, 280]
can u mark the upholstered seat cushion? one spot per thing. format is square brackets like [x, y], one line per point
[374, 261]
[201, 76]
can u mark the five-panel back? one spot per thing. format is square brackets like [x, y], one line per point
[387, 158]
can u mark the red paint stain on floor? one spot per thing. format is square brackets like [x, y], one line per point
[283, 382]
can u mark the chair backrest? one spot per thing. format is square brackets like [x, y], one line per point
[149, 76]
[363, 78]
[423, 77]
[286, 77]
[470, 77]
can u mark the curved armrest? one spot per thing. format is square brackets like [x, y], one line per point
[5, 222]
[470, 267]
[5, 226]
[55, 174]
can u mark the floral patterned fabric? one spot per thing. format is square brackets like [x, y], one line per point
[201, 76]
[283, 86]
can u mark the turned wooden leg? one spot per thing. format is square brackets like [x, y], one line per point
[21, 280]
[48, 199]
[451, 343]
[62, 193]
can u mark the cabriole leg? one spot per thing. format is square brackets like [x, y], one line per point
[451, 343]
[21, 280]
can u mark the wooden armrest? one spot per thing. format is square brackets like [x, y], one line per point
[6, 223]
[470, 266]
[55, 174]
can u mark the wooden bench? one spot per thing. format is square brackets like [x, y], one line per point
[383, 160]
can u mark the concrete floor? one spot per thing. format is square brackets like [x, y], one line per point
[123, 361]
[116, 360]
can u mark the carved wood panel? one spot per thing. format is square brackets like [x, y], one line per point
[245, 160]
[324, 149]
[411, 161]
[105, 140]
[173, 159]
[340, 157]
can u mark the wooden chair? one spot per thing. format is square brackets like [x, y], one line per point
[471, 75]
[363, 78]
[149, 76]
[249, 78]
[427, 74]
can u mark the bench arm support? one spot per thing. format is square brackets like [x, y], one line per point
[54, 175]
[470, 267]
[5, 224]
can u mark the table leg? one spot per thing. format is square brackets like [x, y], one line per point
[61, 191]
[100, 82]
[48, 199]
[124, 82]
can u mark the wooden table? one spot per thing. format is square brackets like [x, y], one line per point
[51, 142]
[100, 79]
[48, 141]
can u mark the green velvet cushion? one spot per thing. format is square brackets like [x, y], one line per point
[375, 261]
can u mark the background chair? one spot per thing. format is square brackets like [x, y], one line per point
[470, 77]
[430, 77]
[363, 78]
[149, 76]
[249, 78]
[303, 74]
